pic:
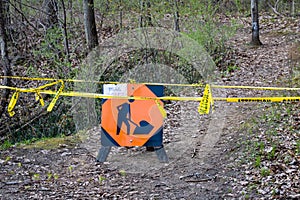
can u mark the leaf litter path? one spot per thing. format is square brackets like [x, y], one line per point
[199, 147]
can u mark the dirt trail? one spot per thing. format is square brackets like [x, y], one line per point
[200, 154]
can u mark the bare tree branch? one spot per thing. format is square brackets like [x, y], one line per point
[24, 17]
[274, 9]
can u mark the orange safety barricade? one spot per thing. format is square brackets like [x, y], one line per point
[130, 122]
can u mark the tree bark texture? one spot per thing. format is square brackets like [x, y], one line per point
[64, 30]
[90, 24]
[255, 23]
[120, 14]
[5, 63]
[50, 7]
[176, 16]
[145, 17]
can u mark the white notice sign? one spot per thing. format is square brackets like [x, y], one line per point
[115, 89]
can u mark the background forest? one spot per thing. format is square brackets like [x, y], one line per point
[50, 38]
[241, 151]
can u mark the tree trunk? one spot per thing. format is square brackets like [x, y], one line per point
[141, 15]
[120, 14]
[21, 9]
[90, 24]
[145, 17]
[64, 30]
[70, 8]
[255, 23]
[293, 8]
[5, 63]
[176, 16]
[148, 13]
[50, 7]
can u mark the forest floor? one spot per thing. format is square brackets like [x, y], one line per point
[208, 155]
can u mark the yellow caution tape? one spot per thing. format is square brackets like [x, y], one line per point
[211, 101]
[48, 85]
[165, 84]
[52, 103]
[100, 82]
[172, 98]
[49, 79]
[29, 90]
[261, 99]
[206, 102]
[164, 98]
[253, 87]
[161, 109]
[204, 106]
[39, 97]
[12, 103]
[132, 81]
[37, 92]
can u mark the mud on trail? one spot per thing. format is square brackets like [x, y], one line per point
[201, 149]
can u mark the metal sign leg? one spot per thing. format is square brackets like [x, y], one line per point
[103, 153]
[161, 154]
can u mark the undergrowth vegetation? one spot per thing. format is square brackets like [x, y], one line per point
[48, 57]
[40, 51]
[272, 150]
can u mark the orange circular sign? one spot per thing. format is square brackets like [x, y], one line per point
[132, 122]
